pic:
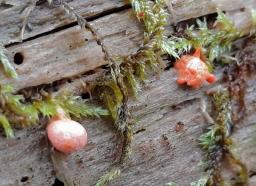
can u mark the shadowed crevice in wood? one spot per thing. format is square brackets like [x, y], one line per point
[4, 6]
[122, 36]
[45, 18]
[72, 24]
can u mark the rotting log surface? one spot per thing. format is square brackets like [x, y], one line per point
[161, 153]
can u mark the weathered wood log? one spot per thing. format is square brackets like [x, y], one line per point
[123, 37]
[161, 152]
[44, 18]
[72, 52]
[187, 9]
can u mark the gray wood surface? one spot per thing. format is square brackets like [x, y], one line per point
[160, 153]
[72, 52]
[47, 18]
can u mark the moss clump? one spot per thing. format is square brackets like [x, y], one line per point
[216, 143]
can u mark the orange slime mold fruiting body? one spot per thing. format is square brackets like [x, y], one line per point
[65, 134]
[193, 71]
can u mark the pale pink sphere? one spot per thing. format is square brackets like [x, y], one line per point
[66, 135]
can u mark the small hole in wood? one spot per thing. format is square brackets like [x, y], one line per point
[24, 179]
[85, 95]
[18, 58]
[57, 182]
[242, 9]
[85, 39]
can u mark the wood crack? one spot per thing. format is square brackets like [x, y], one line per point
[69, 25]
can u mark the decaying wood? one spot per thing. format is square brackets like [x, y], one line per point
[168, 118]
[161, 153]
[45, 18]
[187, 9]
[48, 59]
[72, 52]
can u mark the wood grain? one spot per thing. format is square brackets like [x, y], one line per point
[71, 52]
[47, 18]
[160, 153]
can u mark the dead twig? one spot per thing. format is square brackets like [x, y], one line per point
[27, 11]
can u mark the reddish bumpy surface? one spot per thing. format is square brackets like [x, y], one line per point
[193, 71]
[66, 135]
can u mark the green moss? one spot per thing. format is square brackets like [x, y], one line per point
[131, 81]
[14, 109]
[106, 178]
[8, 68]
[111, 94]
[7, 127]
[215, 42]
[110, 102]
[216, 143]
